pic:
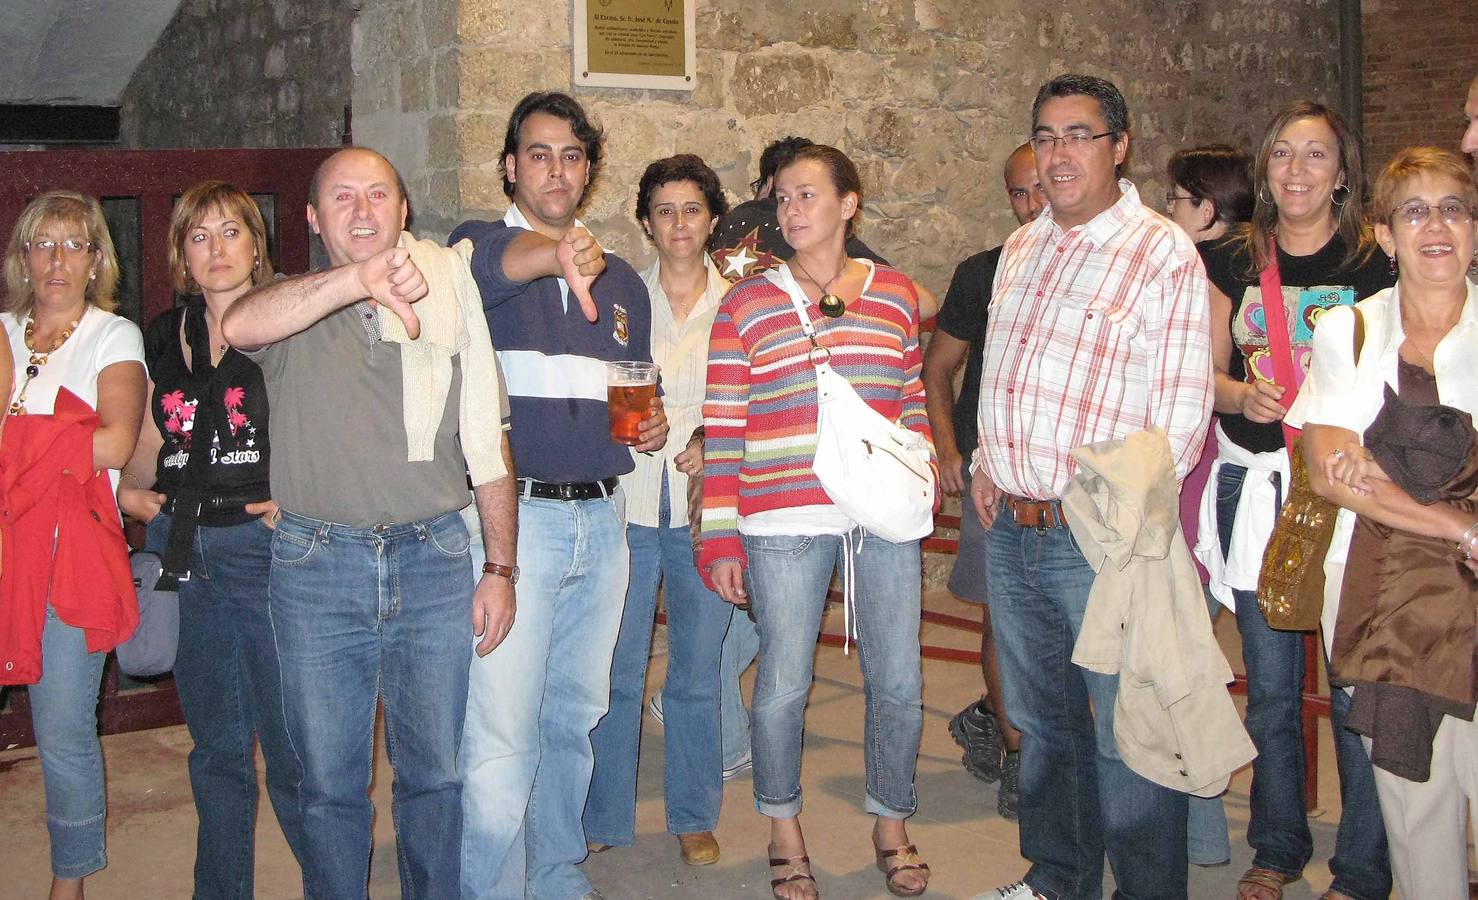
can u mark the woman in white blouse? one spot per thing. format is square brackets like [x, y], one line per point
[1420, 340]
[678, 201]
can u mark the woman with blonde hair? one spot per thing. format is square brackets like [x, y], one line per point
[199, 478]
[61, 273]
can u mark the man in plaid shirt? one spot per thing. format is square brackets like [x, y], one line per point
[1099, 329]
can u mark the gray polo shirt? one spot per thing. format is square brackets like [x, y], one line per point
[338, 437]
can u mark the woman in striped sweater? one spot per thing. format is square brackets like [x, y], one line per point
[772, 536]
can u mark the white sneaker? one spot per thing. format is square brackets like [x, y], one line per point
[746, 763]
[654, 706]
[1018, 891]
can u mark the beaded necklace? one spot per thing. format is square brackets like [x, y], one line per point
[37, 360]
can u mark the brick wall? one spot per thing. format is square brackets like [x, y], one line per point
[1420, 57]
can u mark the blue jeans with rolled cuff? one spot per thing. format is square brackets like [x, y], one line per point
[788, 578]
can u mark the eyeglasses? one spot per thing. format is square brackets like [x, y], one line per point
[1043, 142]
[47, 246]
[1416, 212]
[754, 186]
[1170, 198]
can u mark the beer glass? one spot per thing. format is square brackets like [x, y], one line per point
[630, 387]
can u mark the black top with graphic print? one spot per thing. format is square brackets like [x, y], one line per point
[1311, 284]
[239, 447]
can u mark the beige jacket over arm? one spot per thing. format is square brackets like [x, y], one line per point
[1146, 621]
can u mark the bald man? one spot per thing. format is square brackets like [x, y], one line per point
[981, 729]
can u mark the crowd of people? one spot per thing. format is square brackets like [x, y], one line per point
[399, 481]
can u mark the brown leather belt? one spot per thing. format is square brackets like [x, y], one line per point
[1039, 514]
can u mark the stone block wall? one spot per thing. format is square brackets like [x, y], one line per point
[243, 73]
[927, 96]
[1420, 56]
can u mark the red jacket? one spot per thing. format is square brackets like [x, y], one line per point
[60, 527]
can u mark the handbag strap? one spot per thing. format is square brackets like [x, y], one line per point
[1280, 347]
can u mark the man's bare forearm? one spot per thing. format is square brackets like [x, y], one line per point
[282, 308]
[530, 255]
[497, 510]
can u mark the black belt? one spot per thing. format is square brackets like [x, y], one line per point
[218, 503]
[567, 490]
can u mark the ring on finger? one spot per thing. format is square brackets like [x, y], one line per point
[1339, 454]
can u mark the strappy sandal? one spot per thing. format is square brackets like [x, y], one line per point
[788, 870]
[1262, 884]
[902, 859]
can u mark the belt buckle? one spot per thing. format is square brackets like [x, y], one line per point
[566, 491]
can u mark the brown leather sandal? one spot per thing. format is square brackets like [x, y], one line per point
[788, 870]
[1262, 884]
[902, 859]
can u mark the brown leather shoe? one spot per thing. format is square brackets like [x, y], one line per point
[699, 848]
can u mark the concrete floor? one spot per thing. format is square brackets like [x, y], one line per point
[151, 819]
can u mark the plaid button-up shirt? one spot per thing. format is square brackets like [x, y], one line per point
[1094, 333]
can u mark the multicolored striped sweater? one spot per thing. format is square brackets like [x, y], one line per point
[759, 413]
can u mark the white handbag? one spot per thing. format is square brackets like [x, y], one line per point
[874, 470]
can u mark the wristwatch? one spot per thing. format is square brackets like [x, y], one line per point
[508, 572]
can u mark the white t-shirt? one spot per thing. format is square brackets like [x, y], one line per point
[100, 340]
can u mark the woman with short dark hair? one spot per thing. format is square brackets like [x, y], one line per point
[677, 203]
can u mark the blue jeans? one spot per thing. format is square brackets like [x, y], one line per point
[1278, 828]
[788, 578]
[741, 646]
[1078, 798]
[696, 623]
[64, 715]
[230, 690]
[361, 614]
[534, 700]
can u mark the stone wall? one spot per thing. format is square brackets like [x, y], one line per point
[928, 97]
[243, 73]
[1420, 56]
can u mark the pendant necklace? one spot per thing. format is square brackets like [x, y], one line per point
[831, 305]
[36, 361]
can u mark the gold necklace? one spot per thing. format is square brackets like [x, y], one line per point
[37, 360]
[831, 305]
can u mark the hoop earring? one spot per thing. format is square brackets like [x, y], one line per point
[1268, 199]
[1334, 193]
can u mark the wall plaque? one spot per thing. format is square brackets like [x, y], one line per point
[635, 44]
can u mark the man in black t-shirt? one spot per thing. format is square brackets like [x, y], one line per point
[981, 729]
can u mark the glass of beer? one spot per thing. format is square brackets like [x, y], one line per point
[630, 387]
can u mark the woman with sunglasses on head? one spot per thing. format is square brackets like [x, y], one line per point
[1309, 229]
[772, 535]
[61, 274]
[1389, 438]
[199, 478]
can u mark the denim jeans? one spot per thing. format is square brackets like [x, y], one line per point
[696, 623]
[741, 646]
[1078, 798]
[230, 690]
[361, 614]
[534, 700]
[1278, 827]
[788, 578]
[64, 715]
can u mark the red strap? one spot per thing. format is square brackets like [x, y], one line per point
[1280, 347]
